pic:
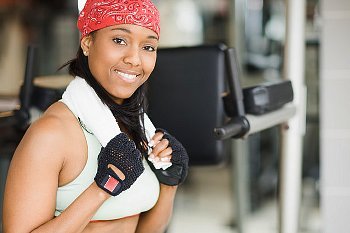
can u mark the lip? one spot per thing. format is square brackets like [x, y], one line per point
[127, 76]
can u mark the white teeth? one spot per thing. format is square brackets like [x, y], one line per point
[127, 76]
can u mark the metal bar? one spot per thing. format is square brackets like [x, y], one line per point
[268, 120]
[256, 123]
[291, 153]
[28, 78]
[240, 166]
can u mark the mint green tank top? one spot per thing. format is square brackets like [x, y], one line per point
[140, 197]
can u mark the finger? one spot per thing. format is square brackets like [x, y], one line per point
[160, 159]
[162, 145]
[163, 159]
[157, 137]
[165, 153]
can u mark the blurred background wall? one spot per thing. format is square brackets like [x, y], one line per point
[335, 107]
[49, 24]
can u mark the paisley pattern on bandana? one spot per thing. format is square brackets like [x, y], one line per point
[99, 14]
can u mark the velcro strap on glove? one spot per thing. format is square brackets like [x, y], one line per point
[122, 153]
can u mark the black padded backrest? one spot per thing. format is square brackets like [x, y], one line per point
[185, 98]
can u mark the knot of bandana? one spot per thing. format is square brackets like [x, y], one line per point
[98, 14]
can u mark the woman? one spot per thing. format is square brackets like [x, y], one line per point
[61, 179]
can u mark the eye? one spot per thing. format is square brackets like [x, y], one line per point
[119, 41]
[149, 48]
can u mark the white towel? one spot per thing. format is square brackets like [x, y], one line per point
[81, 4]
[83, 101]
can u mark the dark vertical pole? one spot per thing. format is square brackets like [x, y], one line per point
[22, 114]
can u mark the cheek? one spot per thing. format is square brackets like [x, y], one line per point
[100, 62]
[149, 64]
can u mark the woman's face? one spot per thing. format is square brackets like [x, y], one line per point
[121, 58]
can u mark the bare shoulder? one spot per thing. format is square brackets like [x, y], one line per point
[51, 136]
[56, 122]
[36, 167]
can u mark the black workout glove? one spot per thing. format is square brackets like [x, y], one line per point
[122, 153]
[177, 172]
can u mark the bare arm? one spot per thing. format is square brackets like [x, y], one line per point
[30, 193]
[157, 219]
[76, 217]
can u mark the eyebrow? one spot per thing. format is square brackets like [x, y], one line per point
[129, 32]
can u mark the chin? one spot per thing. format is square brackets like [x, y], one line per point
[121, 93]
[119, 98]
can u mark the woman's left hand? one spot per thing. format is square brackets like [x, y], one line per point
[161, 151]
[167, 148]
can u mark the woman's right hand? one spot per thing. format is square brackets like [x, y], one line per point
[119, 165]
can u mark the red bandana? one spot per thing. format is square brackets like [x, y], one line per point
[99, 14]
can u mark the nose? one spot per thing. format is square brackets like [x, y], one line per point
[132, 56]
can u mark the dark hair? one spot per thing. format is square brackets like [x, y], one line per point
[129, 113]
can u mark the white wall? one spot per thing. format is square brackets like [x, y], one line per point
[335, 115]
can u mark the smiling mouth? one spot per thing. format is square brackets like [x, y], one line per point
[127, 76]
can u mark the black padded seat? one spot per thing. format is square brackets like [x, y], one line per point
[185, 97]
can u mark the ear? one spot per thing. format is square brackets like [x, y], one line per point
[85, 44]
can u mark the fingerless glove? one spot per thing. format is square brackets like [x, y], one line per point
[121, 152]
[177, 172]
